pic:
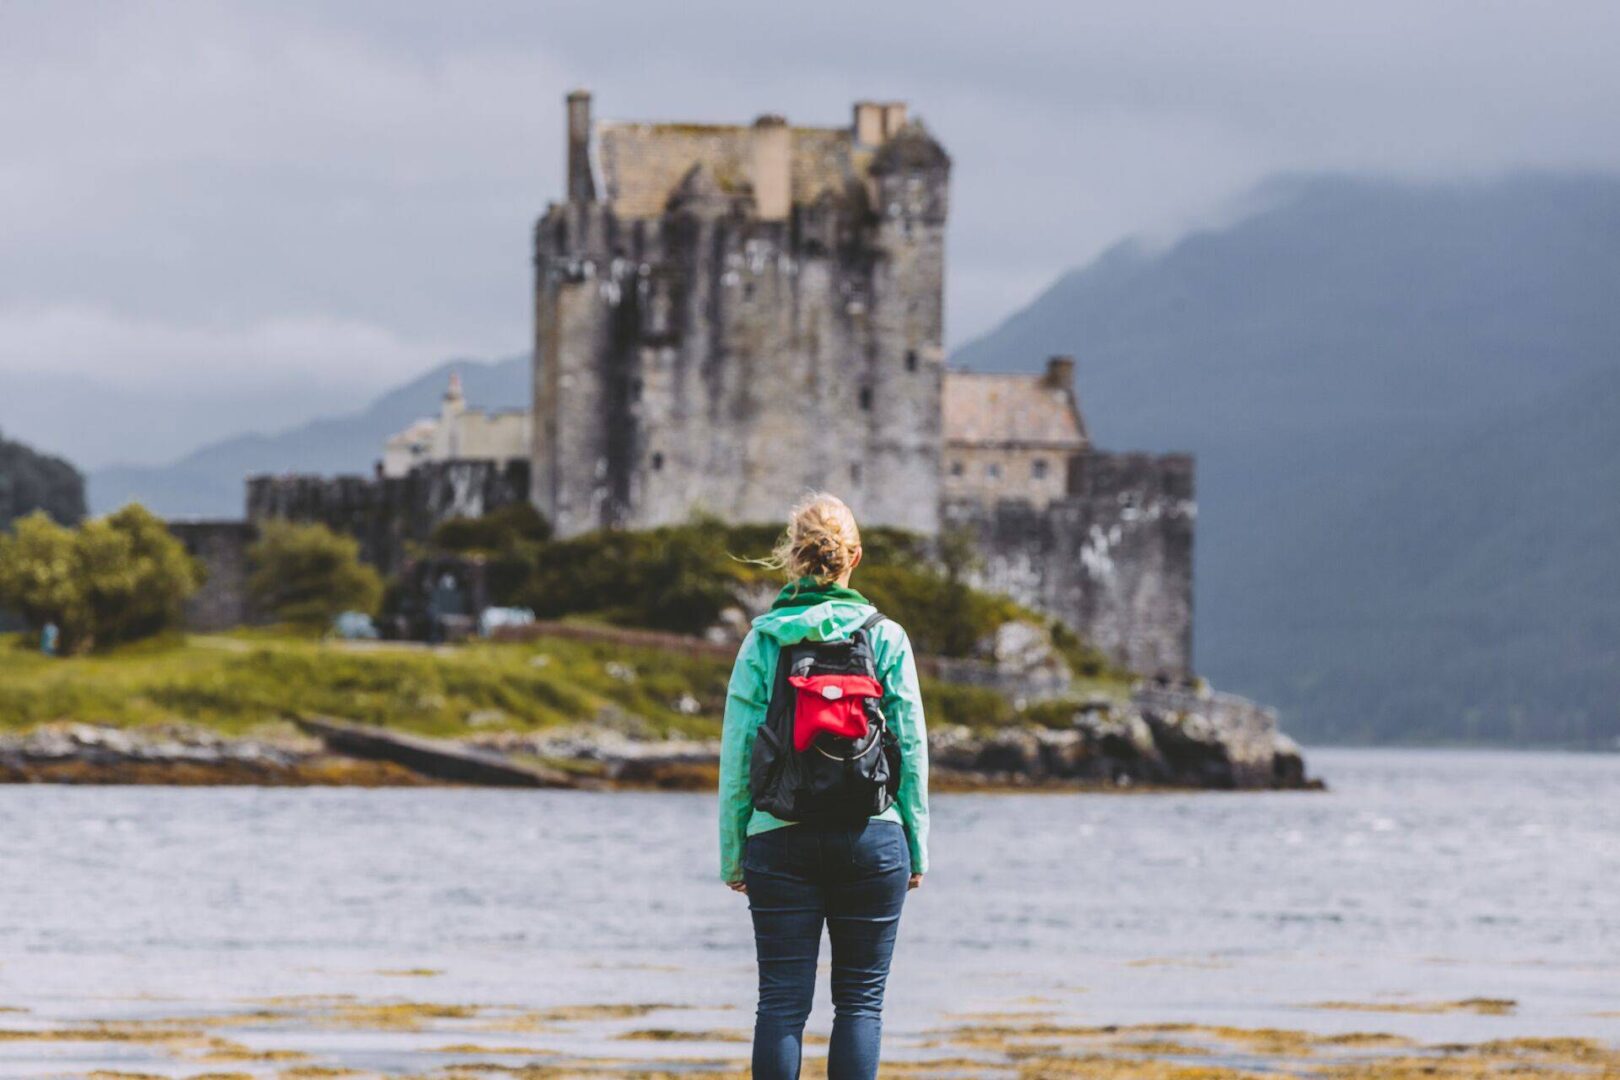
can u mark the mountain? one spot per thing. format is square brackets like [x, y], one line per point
[208, 481]
[32, 481]
[1403, 398]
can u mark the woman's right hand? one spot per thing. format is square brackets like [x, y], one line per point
[914, 883]
[739, 887]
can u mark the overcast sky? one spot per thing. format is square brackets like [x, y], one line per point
[224, 216]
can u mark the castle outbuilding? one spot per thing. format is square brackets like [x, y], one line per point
[1011, 436]
[458, 433]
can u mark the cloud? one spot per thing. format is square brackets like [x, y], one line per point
[333, 354]
[276, 181]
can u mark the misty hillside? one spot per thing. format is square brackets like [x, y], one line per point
[208, 481]
[31, 481]
[1406, 409]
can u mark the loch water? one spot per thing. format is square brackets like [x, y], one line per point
[1419, 877]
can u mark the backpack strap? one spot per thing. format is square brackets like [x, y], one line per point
[863, 637]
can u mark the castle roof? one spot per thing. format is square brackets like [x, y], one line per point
[642, 164]
[418, 431]
[1012, 410]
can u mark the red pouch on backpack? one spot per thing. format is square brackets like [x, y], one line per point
[831, 703]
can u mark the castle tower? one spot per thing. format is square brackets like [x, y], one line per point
[728, 315]
[447, 441]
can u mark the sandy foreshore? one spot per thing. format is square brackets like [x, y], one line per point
[294, 1038]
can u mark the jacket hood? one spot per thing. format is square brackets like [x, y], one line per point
[805, 611]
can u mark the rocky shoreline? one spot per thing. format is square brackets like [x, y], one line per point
[1164, 737]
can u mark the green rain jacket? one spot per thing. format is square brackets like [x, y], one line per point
[807, 611]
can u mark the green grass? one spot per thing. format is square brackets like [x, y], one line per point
[238, 682]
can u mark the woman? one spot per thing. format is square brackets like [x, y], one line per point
[853, 878]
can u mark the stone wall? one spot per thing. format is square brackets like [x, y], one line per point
[715, 360]
[1112, 557]
[222, 547]
[385, 513]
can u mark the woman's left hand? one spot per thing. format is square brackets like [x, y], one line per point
[914, 883]
[739, 886]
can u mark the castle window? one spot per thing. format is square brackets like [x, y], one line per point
[855, 473]
[993, 470]
[911, 359]
[1038, 469]
[866, 398]
[957, 468]
[657, 461]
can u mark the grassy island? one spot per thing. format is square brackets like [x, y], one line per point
[244, 682]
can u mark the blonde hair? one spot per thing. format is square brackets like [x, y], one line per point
[821, 540]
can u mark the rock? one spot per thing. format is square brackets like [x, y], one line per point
[1288, 764]
[1023, 651]
[1209, 739]
[1119, 735]
[732, 626]
[1012, 752]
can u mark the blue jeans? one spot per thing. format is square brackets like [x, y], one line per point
[853, 878]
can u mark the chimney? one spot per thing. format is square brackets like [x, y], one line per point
[894, 118]
[868, 123]
[581, 188]
[770, 170]
[1059, 373]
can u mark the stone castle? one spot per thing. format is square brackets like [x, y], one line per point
[727, 316]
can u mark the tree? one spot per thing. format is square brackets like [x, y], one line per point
[111, 580]
[308, 574]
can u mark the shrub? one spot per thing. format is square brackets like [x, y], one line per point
[506, 529]
[308, 574]
[1083, 658]
[975, 707]
[110, 580]
[943, 617]
[676, 578]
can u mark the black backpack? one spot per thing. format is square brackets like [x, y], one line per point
[842, 775]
